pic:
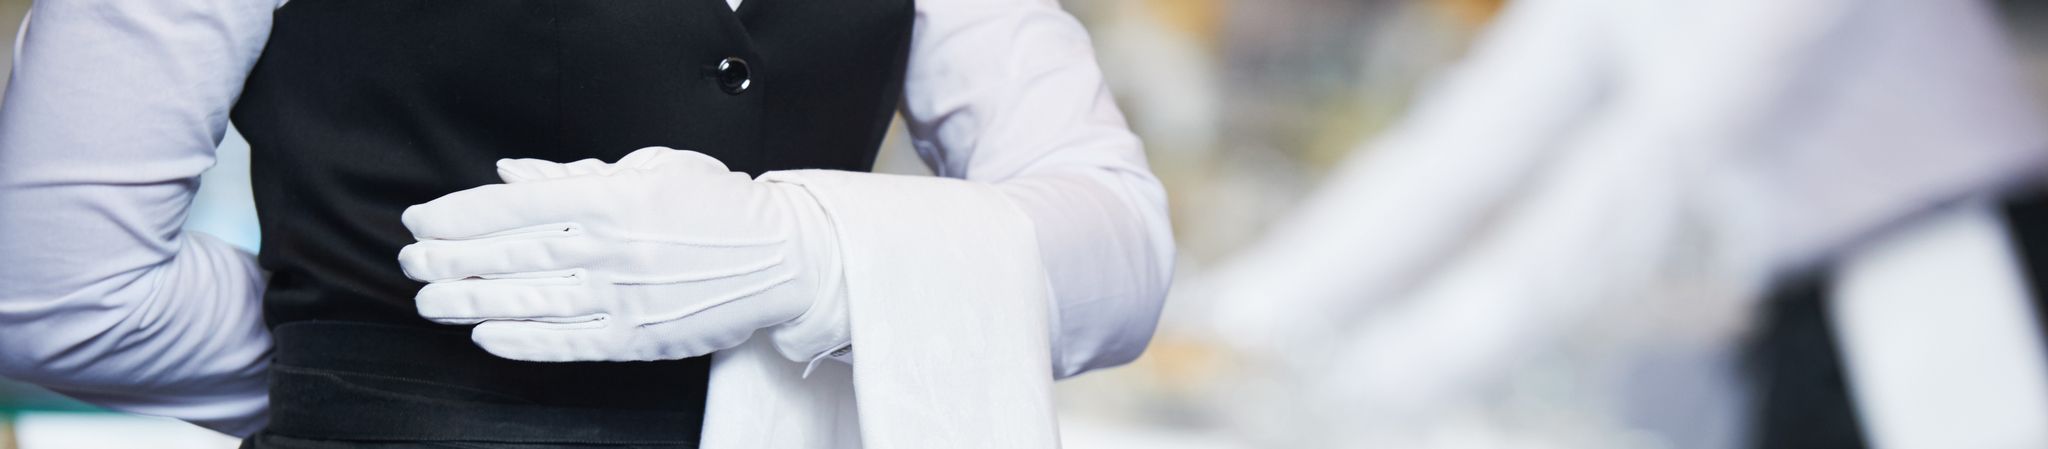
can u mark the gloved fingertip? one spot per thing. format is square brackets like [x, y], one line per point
[687, 159]
[412, 260]
[645, 158]
[412, 219]
[498, 339]
[513, 171]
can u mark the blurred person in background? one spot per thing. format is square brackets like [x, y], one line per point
[1654, 169]
[575, 304]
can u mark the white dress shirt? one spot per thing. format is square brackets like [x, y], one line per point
[115, 108]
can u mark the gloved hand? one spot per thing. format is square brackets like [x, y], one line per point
[666, 254]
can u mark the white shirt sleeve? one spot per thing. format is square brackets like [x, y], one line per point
[1008, 92]
[112, 114]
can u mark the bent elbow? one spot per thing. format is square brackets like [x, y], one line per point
[58, 337]
[1113, 330]
[1105, 333]
[1109, 252]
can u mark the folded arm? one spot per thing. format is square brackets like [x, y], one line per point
[1008, 92]
[112, 114]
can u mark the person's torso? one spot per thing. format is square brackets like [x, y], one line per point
[358, 109]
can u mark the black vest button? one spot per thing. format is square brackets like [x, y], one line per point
[733, 76]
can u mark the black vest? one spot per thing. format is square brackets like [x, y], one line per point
[358, 109]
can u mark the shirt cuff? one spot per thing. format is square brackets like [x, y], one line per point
[844, 354]
[822, 333]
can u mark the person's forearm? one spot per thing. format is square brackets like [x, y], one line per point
[1108, 254]
[184, 339]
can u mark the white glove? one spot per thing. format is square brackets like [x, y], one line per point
[666, 254]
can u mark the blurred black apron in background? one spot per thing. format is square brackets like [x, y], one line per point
[1798, 383]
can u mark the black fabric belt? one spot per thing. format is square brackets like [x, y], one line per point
[374, 382]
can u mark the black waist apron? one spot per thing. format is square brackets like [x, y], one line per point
[358, 109]
[379, 383]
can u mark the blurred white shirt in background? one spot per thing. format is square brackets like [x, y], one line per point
[1606, 168]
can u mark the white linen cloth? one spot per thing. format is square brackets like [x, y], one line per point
[114, 109]
[944, 361]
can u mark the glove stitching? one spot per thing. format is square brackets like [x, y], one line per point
[708, 305]
[684, 278]
[660, 239]
[566, 229]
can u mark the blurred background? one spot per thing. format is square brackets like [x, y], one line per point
[1245, 107]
